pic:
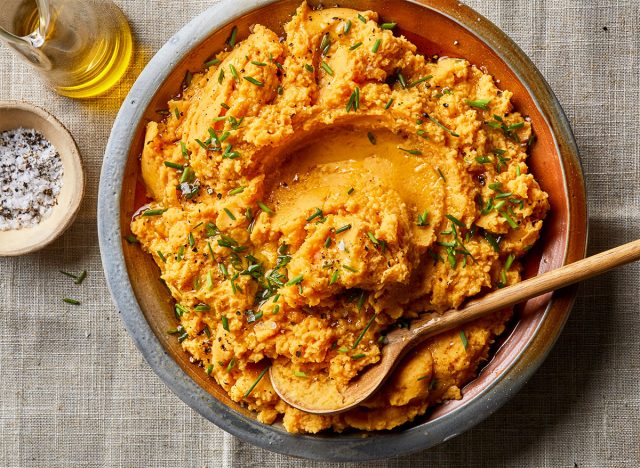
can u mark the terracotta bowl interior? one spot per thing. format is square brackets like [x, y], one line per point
[17, 242]
[436, 39]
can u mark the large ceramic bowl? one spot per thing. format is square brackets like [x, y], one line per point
[443, 27]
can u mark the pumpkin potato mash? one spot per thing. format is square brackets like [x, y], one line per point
[312, 192]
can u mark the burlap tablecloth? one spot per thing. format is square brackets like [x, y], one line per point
[75, 391]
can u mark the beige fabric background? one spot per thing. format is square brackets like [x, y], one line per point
[74, 391]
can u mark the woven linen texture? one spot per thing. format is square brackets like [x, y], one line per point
[74, 390]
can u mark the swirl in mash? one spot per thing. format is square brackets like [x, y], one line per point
[313, 192]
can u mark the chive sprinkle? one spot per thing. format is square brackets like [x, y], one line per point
[234, 72]
[423, 219]
[455, 220]
[209, 369]
[325, 44]
[157, 212]
[435, 121]
[509, 219]
[325, 66]
[70, 275]
[317, 213]
[229, 214]
[251, 79]
[232, 38]
[347, 26]
[362, 18]
[354, 100]
[402, 81]
[237, 190]
[361, 300]
[355, 46]
[225, 322]
[299, 374]
[334, 277]
[327, 242]
[173, 165]
[419, 80]
[388, 25]
[350, 268]
[212, 62]
[357, 342]
[183, 150]
[265, 208]
[264, 371]
[344, 228]
[297, 280]
[358, 356]
[258, 64]
[131, 239]
[350, 191]
[388, 104]
[441, 174]
[371, 137]
[464, 340]
[373, 238]
[202, 308]
[479, 103]
[177, 113]
[71, 301]
[161, 256]
[221, 76]
[308, 67]
[231, 365]
[415, 152]
[376, 46]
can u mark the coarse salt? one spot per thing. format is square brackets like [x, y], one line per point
[30, 178]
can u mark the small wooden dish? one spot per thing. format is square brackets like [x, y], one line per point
[22, 241]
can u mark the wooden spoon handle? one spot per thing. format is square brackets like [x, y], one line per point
[536, 286]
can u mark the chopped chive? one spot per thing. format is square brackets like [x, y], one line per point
[221, 76]
[422, 133]
[223, 269]
[183, 149]
[157, 212]
[509, 219]
[131, 239]
[317, 213]
[162, 257]
[209, 369]
[276, 309]
[347, 27]
[231, 365]
[376, 46]
[435, 121]
[362, 18]
[258, 64]
[225, 322]
[455, 220]
[418, 81]
[354, 100]
[422, 378]
[361, 300]
[515, 126]
[325, 44]
[423, 219]
[265, 208]
[464, 340]
[209, 281]
[212, 62]
[334, 277]
[496, 187]
[373, 238]
[308, 67]
[187, 174]
[402, 81]
[70, 275]
[252, 80]
[234, 72]
[297, 280]
[325, 66]
[371, 137]
[350, 191]
[71, 301]
[415, 152]
[174, 165]
[355, 345]
[343, 350]
[264, 371]
[503, 195]
[229, 214]
[518, 170]
[232, 38]
[237, 190]
[483, 159]
[183, 337]
[191, 239]
[492, 241]
[509, 262]
[327, 242]
[441, 174]
[350, 268]
[202, 308]
[388, 25]
[299, 374]
[224, 105]
[180, 310]
[344, 228]
[388, 104]
[177, 113]
[355, 46]
[358, 356]
[479, 103]
[210, 250]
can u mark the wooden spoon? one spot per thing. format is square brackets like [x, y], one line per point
[327, 398]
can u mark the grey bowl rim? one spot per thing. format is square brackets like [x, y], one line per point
[336, 448]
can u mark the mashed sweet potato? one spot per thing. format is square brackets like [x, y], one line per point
[311, 193]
